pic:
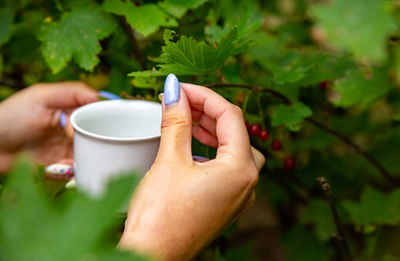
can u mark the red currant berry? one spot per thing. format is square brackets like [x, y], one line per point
[276, 145]
[264, 134]
[255, 129]
[323, 85]
[289, 163]
[137, 4]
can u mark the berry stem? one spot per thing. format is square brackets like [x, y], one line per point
[371, 159]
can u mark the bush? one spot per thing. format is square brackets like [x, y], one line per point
[317, 82]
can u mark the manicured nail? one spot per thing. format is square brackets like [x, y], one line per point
[160, 96]
[63, 119]
[109, 95]
[200, 159]
[71, 184]
[171, 89]
[60, 169]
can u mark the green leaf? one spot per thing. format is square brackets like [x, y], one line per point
[245, 15]
[190, 57]
[146, 19]
[319, 213]
[178, 8]
[76, 36]
[361, 87]
[375, 208]
[69, 228]
[302, 245]
[361, 27]
[6, 19]
[290, 115]
[187, 3]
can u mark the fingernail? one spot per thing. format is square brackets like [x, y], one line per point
[160, 96]
[171, 89]
[200, 159]
[60, 169]
[63, 119]
[109, 95]
[71, 184]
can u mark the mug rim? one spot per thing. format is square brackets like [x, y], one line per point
[108, 138]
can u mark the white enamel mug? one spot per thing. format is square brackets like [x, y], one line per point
[113, 137]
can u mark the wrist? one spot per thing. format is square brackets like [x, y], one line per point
[152, 234]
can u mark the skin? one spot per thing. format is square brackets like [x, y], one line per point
[30, 121]
[181, 205]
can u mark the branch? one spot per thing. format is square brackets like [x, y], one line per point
[253, 88]
[371, 159]
[340, 238]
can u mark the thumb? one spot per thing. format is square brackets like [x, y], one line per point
[176, 125]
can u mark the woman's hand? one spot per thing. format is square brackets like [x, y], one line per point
[30, 121]
[181, 205]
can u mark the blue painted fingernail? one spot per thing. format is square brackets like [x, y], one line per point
[200, 158]
[171, 89]
[109, 95]
[63, 119]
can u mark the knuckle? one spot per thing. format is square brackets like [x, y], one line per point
[237, 110]
[251, 175]
[173, 119]
[248, 175]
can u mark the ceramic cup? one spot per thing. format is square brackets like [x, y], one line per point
[114, 137]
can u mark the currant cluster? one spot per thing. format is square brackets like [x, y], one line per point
[256, 130]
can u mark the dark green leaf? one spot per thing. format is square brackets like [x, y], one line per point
[76, 36]
[146, 19]
[318, 213]
[361, 27]
[290, 115]
[358, 87]
[375, 208]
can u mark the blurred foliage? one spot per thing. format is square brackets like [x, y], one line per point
[34, 226]
[321, 76]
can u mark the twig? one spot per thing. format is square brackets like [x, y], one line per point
[254, 88]
[341, 238]
[372, 160]
[357, 148]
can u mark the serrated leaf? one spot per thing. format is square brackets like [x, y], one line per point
[348, 25]
[146, 19]
[292, 66]
[290, 115]
[359, 87]
[375, 208]
[76, 36]
[318, 213]
[6, 20]
[190, 57]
